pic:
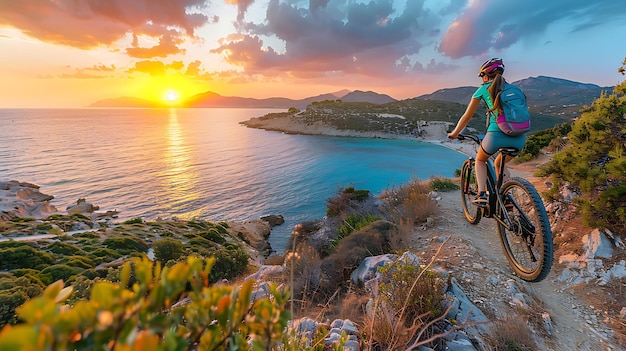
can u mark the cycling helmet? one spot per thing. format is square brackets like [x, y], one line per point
[490, 66]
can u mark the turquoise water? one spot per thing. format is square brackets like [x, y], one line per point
[200, 163]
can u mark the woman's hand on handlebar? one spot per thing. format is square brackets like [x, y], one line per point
[453, 135]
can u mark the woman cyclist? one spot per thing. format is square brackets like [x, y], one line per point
[491, 73]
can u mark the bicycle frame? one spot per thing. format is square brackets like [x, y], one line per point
[496, 202]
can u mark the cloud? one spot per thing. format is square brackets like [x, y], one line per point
[331, 38]
[494, 24]
[88, 24]
[168, 45]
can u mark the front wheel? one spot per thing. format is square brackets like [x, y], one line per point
[527, 239]
[469, 190]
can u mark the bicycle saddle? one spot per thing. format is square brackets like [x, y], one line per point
[512, 151]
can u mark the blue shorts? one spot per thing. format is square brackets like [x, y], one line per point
[495, 140]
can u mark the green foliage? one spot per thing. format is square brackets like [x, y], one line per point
[230, 262]
[412, 289]
[62, 271]
[136, 220]
[595, 161]
[145, 317]
[78, 261]
[352, 223]
[61, 248]
[23, 256]
[548, 137]
[22, 220]
[213, 235]
[168, 249]
[14, 291]
[442, 184]
[125, 244]
[345, 200]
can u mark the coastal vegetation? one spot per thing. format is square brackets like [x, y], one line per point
[141, 283]
[176, 285]
[592, 160]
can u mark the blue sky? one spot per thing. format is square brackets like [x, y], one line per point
[73, 52]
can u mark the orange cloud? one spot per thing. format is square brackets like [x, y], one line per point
[88, 24]
[168, 45]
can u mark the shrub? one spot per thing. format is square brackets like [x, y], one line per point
[345, 200]
[413, 290]
[78, 261]
[213, 235]
[595, 161]
[352, 223]
[61, 271]
[442, 184]
[136, 220]
[23, 256]
[125, 244]
[167, 249]
[409, 203]
[229, 263]
[61, 248]
[144, 318]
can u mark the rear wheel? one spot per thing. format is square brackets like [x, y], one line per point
[469, 190]
[528, 243]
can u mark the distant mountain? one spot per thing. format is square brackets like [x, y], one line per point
[546, 95]
[460, 95]
[367, 96]
[213, 99]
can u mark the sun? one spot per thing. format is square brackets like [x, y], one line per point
[171, 96]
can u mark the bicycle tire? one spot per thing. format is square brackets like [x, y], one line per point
[529, 254]
[469, 190]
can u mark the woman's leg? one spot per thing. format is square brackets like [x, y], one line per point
[481, 169]
[496, 164]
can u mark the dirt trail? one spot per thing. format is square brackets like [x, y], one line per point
[473, 255]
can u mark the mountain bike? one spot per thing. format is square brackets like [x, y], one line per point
[517, 208]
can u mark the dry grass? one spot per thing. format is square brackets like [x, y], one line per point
[512, 334]
[409, 202]
[406, 206]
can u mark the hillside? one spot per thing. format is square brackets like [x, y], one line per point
[550, 96]
[406, 118]
[547, 96]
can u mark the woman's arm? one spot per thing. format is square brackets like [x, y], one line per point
[465, 119]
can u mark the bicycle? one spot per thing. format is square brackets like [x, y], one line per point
[522, 221]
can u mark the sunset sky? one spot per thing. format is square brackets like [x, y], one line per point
[70, 53]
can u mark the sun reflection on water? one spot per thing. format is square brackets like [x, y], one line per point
[181, 176]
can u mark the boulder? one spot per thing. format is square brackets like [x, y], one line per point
[274, 220]
[82, 206]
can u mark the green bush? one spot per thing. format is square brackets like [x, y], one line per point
[167, 249]
[23, 256]
[62, 271]
[213, 235]
[407, 286]
[353, 223]
[113, 317]
[537, 141]
[125, 244]
[594, 160]
[229, 263]
[442, 184]
[345, 200]
[61, 248]
[78, 261]
[136, 220]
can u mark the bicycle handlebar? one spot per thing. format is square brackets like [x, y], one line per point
[469, 136]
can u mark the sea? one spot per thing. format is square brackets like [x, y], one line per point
[201, 163]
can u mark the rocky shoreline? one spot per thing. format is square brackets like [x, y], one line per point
[434, 132]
